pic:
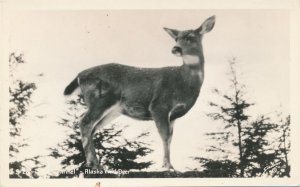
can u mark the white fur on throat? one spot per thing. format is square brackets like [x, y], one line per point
[194, 60]
[191, 59]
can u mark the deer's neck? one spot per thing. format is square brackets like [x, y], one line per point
[193, 66]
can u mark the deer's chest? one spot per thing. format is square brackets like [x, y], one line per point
[184, 98]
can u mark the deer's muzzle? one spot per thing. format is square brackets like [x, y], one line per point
[177, 51]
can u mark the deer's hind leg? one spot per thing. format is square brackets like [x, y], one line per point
[97, 109]
[86, 128]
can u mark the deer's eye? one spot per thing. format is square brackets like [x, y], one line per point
[188, 39]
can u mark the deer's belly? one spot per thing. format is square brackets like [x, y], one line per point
[135, 102]
[136, 110]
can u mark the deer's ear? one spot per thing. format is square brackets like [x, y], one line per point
[172, 32]
[207, 25]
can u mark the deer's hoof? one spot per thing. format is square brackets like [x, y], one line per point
[94, 166]
[168, 167]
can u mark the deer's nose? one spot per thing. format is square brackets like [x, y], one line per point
[177, 51]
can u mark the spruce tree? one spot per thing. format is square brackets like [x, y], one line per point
[232, 112]
[259, 153]
[20, 93]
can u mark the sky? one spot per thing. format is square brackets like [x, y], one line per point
[60, 44]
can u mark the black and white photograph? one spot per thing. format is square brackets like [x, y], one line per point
[107, 94]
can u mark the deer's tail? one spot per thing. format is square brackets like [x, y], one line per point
[71, 87]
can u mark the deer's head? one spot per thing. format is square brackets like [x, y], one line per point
[188, 42]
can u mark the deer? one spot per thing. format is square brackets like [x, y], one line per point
[158, 94]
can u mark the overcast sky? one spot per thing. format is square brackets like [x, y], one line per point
[60, 44]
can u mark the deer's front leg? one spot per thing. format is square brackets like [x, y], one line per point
[165, 129]
[166, 133]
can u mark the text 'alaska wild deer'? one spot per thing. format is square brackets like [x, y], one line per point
[159, 94]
